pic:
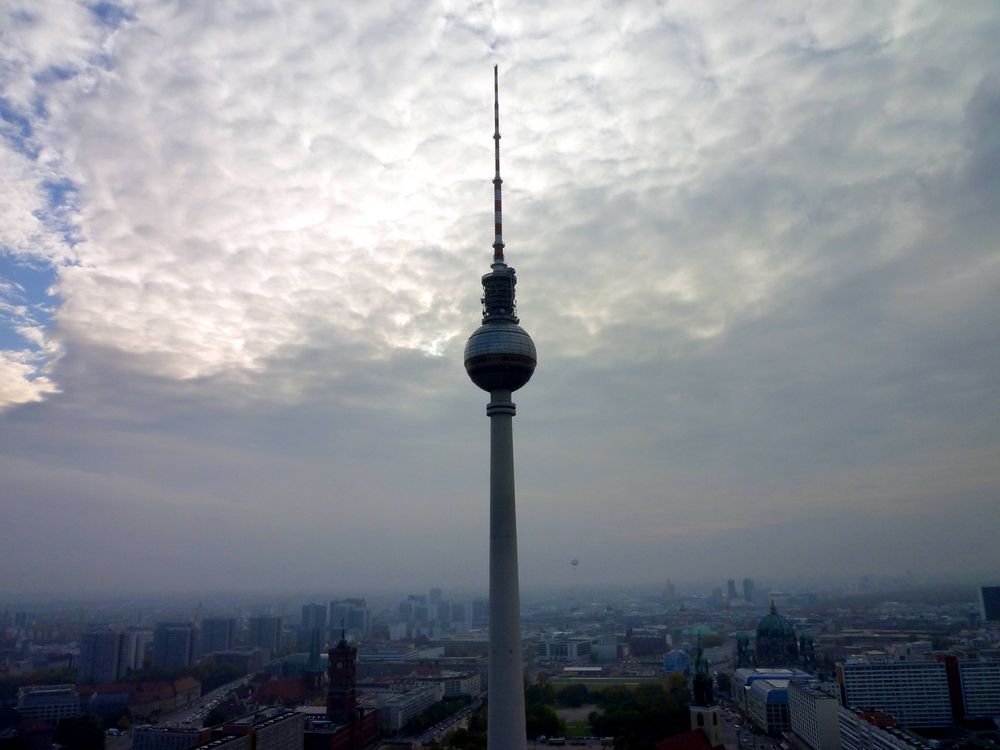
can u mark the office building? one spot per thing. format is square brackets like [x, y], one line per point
[480, 612]
[980, 681]
[989, 602]
[748, 590]
[744, 678]
[731, 594]
[395, 709]
[867, 730]
[500, 357]
[767, 705]
[352, 616]
[175, 645]
[136, 653]
[914, 693]
[225, 742]
[565, 649]
[105, 656]
[272, 729]
[217, 634]
[168, 738]
[265, 633]
[49, 703]
[314, 616]
[813, 716]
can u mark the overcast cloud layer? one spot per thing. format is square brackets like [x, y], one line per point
[240, 245]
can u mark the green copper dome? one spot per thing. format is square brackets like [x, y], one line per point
[774, 625]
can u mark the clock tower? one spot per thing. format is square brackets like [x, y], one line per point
[341, 697]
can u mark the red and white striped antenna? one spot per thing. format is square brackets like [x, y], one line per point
[497, 211]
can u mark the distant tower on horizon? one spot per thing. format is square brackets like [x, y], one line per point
[500, 358]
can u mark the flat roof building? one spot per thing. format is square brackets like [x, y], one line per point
[915, 693]
[48, 702]
[812, 716]
[767, 705]
[980, 687]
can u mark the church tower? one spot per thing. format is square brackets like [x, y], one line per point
[341, 697]
[705, 712]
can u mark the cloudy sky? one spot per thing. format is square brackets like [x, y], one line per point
[758, 248]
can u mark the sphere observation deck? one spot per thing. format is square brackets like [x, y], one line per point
[500, 355]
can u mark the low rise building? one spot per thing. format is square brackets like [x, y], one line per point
[48, 702]
[168, 738]
[273, 729]
[459, 684]
[565, 649]
[395, 709]
[874, 730]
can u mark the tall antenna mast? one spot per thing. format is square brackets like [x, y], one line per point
[498, 213]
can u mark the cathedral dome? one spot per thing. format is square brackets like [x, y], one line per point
[776, 644]
[773, 625]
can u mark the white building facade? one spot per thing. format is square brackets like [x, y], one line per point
[914, 693]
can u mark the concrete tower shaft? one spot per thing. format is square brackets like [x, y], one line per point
[500, 358]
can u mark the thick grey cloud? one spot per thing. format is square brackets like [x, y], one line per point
[757, 251]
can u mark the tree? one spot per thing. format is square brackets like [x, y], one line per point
[639, 718]
[539, 695]
[574, 695]
[541, 720]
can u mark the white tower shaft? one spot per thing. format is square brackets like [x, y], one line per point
[506, 730]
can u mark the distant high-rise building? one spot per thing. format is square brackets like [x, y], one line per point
[731, 590]
[217, 634]
[265, 633]
[175, 644]
[989, 600]
[434, 597]
[459, 615]
[444, 614]
[314, 616]
[105, 656]
[748, 589]
[480, 612]
[669, 592]
[351, 615]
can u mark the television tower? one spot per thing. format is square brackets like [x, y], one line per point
[500, 358]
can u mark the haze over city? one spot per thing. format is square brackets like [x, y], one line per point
[239, 258]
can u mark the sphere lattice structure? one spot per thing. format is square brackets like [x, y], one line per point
[500, 355]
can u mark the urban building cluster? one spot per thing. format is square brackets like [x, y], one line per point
[807, 669]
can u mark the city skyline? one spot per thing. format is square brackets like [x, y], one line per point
[761, 244]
